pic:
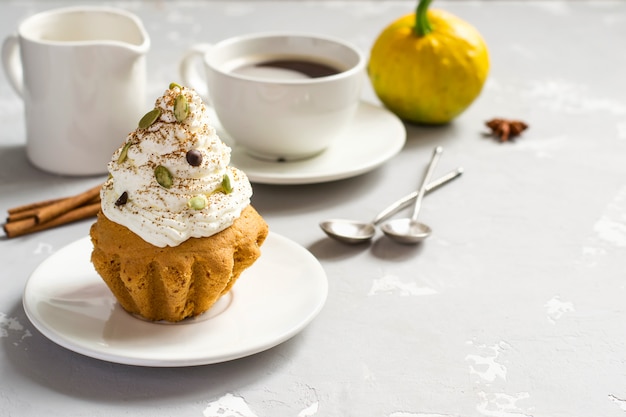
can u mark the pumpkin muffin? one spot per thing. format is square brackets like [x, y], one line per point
[176, 228]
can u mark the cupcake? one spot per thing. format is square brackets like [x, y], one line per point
[176, 228]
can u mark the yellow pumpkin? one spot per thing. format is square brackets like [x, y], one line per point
[429, 66]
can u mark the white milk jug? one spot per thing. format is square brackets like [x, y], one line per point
[81, 73]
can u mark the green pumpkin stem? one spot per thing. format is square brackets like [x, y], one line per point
[422, 25]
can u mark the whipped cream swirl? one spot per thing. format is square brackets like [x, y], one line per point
[167, 215]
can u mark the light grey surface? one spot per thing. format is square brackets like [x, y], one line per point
[513, 307]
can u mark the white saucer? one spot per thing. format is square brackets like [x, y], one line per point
[272, 301]
[375, 136]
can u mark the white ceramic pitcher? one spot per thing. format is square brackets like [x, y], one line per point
[82, 76]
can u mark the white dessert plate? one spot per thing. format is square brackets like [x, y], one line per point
[272, 301]
[375, 137]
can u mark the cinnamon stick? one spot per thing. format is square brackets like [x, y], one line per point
[33, 210]
[46, 214]
[33, 206]
[30, 225]
[21, 215]
[51, 211]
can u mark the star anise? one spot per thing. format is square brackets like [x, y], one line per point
[506, 129]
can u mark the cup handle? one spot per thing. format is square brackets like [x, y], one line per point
[192, 74]
[12, 64]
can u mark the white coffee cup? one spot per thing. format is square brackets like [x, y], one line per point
[81, 73]
[277, 113]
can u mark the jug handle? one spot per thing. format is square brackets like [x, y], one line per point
[190, 71]
[12, 64]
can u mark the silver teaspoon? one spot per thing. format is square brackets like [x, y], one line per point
[409, 230]
[355, 231]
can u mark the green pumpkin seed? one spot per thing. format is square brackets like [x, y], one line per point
[149, 118]
[163, 176]
[181, 108]
[124, 153]
[226, 187]
[198, 202]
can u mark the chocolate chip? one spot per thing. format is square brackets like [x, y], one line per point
[194, 157]
[122, 200]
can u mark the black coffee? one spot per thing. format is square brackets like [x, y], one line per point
[309, 68]
[287, 68]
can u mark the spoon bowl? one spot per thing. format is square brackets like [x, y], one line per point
[406, 230]
[409, 230]
[349, 231]
[355, 231]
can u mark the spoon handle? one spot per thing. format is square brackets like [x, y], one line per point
[422, 190]
[408, 199]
